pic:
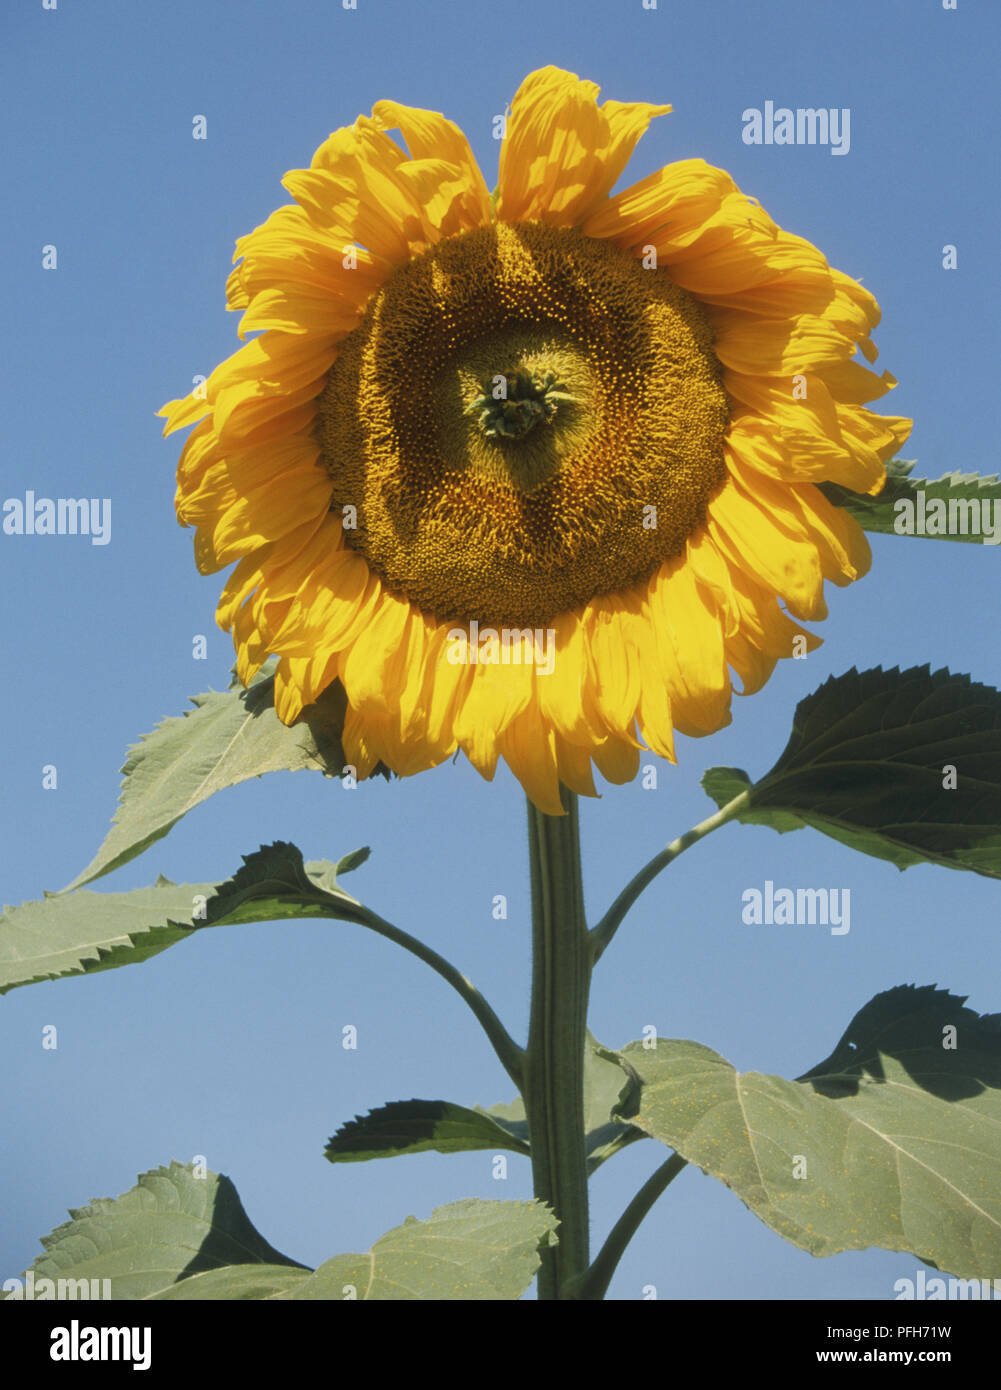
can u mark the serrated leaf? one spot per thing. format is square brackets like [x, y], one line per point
[913, 502]
[421, 1126]
[468, 1250]
[609, 1082]
[170, 1226]
[175, 1236]
[84, 931]
[896, 1136]
[866, 764]
[275, 883]
[229, 737]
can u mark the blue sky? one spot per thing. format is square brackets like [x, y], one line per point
[229, 1046]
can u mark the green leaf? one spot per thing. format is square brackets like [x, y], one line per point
[83, 932]
[897, 1135]
[468, 1250]
[228, 737]
[968, 501]
[275, 883]
[171, 1226]
[609, 1083]
[867, 764]
[420, 1126]
[179, 1237]
[352, 861]
[233, 1284]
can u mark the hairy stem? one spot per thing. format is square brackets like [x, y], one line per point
[554, 1058]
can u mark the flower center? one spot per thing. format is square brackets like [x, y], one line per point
[525, 419]
[509, 407]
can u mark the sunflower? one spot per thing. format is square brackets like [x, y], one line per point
[531, 473]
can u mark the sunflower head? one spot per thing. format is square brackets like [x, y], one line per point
[551, 419]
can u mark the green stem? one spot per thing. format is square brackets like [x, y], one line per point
[511, 1056]
[557, 1035]
[596, 1281]
[612, 920]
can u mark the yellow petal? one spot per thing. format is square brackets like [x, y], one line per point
[573, 764]
[528, 747]
[359, 745]
[563, 152]
[300, 309]
[764, 635]
[211, 481]
[784, 443]
[365, 665]
[289, 249]
[673, 201]
[767, 547]
[561, 691]
[689, 640]
[615, 668]
[270, 511]
[492, 697]
[777, 347]
[712, 574]
[616, 760]
[654, 712]
[430, 136]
